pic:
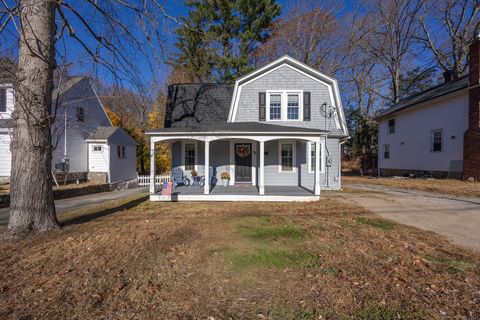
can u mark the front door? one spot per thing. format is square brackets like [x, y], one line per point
[243, 162]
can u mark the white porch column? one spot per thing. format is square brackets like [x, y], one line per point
[152, 167]
[317, 168]
[261, 171]
[207, 168]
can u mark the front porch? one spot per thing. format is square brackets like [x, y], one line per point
[238, 193]
[260, 162]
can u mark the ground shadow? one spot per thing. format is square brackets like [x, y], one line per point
[103, 213]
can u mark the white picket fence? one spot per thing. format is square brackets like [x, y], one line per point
[144, 181]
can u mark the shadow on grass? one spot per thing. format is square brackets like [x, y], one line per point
[103, 213]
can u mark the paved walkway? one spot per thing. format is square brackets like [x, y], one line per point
[456, 218]
[83, 201]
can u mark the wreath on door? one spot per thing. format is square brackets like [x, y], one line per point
[243, 151]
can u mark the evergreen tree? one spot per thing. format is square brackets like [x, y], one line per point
[218, 37]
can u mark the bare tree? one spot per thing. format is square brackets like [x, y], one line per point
[110, 33]
[311, 33]
[449, 27]
[387, 34]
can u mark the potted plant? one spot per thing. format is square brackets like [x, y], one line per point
[194, 173]
[225, 176]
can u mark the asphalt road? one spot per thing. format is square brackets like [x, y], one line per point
[456, 218]
[83, 201]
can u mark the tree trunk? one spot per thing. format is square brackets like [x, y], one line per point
[32, 206]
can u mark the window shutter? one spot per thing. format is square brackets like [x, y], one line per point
[306, 106]
[261, 106]
[3, 100]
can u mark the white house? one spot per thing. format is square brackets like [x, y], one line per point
[277, 134]
[436, 130]
[78, 113]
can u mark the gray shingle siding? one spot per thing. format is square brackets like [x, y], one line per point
[285, 78]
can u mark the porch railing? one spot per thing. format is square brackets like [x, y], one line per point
[144, 180]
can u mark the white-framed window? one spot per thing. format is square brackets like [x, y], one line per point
[311, 157]
[391, 126]
[436, 140]
[80, 114]
[284, 105]
[189, 155]
[275, 106]
[121, 152]
[3, 99]
[286, 156]
[386, 151]
[97, 148]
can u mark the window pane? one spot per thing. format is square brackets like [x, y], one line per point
[437, 141]
[189, 156]
[3, 100]
[391, 126]
[287, 157]
[386, 151]
[80, 115]
[292, 107]
[275, 107]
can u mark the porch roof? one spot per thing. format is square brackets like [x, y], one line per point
[238, 128]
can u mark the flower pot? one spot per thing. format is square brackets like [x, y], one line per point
[225, 182]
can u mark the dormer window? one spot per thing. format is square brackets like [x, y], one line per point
[284, 105]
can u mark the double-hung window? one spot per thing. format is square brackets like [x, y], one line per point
[121, 152]
[287, 156]
[189, 156]
[97, 148]
[391, 126]
[436, 141]
[386, 151]
[293, 106]
[311, 151]
[3, 100]
[284, 105]
[275, 106]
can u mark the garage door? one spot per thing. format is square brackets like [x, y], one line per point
[5, 155]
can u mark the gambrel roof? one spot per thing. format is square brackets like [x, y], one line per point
[301, 67]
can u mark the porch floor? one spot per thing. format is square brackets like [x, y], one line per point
[238, 193]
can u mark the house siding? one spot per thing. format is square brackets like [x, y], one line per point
[410, 145]
[99, 161]
[286, 78]
[80, 95]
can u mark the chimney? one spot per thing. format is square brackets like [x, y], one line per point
[448, 76]
[471, 141]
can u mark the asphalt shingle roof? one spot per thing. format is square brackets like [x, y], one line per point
[258, 127]
[194, 105]
[432, 93]
[102, 133]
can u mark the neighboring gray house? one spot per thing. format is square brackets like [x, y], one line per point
[78, 115]
[277, 133]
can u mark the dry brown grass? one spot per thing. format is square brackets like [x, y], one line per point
[142, 260]
[453, 187]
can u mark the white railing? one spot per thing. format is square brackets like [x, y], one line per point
[144, 180]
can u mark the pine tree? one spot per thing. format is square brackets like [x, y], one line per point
[218, 37]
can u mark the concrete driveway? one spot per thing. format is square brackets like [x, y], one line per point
[83, 201]
[456, 218]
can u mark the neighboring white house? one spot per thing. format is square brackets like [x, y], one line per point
[113, 151]
[436, 130]
[277, 133]
[78, 113]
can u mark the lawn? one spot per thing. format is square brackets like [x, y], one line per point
[134, 259]
[453, 187]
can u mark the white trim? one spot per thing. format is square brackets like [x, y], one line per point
[309, 158]
[284, 105]
[232, 162]
[308, 137]
[183, 154]
[226, 197]
[100, 102]
[294, 156]
[241, 134]
[254, 163]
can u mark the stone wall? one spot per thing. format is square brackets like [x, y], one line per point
[405, 172]
[97, 177]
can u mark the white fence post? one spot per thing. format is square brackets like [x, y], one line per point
[144, 180]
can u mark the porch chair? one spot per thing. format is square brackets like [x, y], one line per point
[179, 179]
